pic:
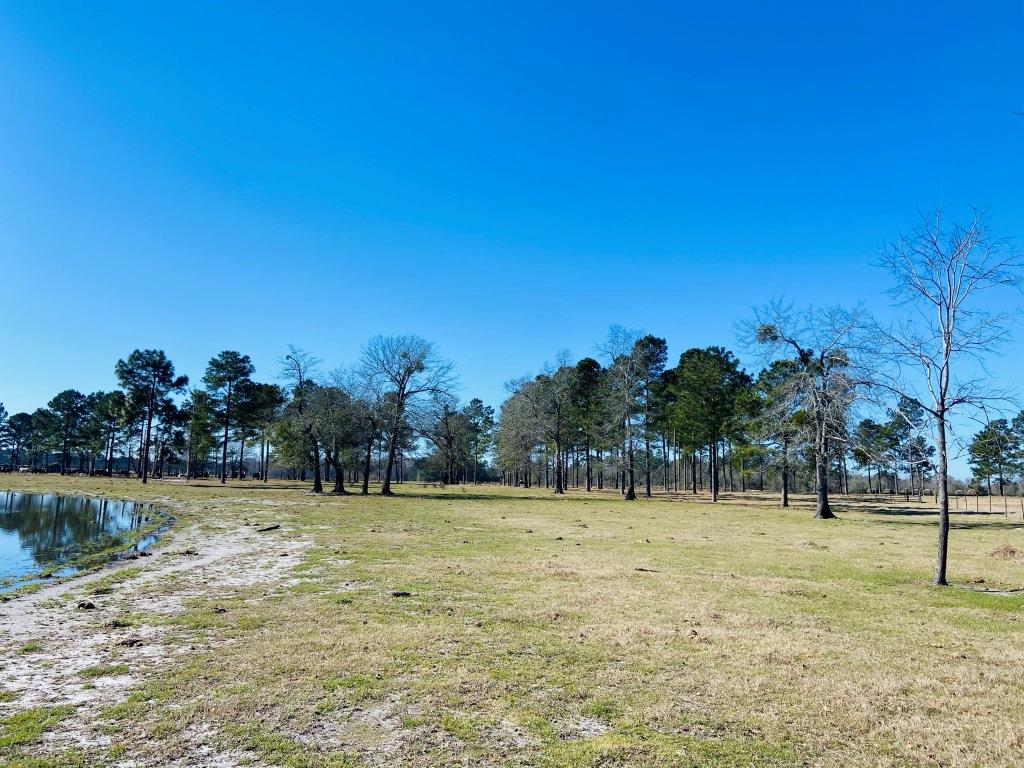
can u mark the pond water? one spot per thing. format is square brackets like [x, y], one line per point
[45, 532]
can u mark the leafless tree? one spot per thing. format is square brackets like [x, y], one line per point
[779, 424]
[936, 352]
[299, 368]
[339, 413]
[821, 383]
[445, 426]
[517, 435]
[405, 367]
[626, 371]
[369, 390]
[550, 399]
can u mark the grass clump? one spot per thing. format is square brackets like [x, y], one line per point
[29, 725]
[108, 670]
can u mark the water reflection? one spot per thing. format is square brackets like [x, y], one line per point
[42, 530]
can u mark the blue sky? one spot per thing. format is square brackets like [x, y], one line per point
[506, 180]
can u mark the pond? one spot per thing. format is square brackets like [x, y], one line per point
[44, 532]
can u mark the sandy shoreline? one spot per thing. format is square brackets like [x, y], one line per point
[54, 653]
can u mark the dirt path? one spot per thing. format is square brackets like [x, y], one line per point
[55, 650]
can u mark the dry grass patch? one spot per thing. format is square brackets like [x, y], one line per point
[579, 631]
[1007, 552]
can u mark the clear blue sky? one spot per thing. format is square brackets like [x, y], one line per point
[506, 181]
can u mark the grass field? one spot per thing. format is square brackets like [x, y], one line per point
[575, 631]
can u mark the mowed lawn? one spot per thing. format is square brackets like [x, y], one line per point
[586, 631]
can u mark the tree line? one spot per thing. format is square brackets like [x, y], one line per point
[628, 419]
[622, 418]
[338, 426]
[631, 423]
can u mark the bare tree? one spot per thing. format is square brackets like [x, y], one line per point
[550, 398]
[778, 423]
[449, 429]
[369, 414]
[653, 353]
[821, 382]
[517, 435]
[625, 371]
[298, 368]
[338, 415]
[939, 271]
[405, 367]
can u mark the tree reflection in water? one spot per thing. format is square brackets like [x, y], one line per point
[42, 529]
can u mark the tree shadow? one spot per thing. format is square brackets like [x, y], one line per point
[990, 590]
[983, 519]
[456, 495]
[891, 511]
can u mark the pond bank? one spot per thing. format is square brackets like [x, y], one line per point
[73, 650]
[47, 537]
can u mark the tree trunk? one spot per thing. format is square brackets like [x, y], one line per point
[729, 466]
[940, 559]
[110, 453]
[188, 456]
[318, 484]
[366, 466]
[589, 477]
[664, 461]
[142, 443]
[631, 488]
[339, 474]
[647, 461]
[385, 489]
[713, 468]
[822, 510]
[224, 455]
[144, 456]
[559, 487]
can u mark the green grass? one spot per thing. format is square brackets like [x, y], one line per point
[750, 636]
[72, 758]
[104, 670]
[28, 726]
[106, 585]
